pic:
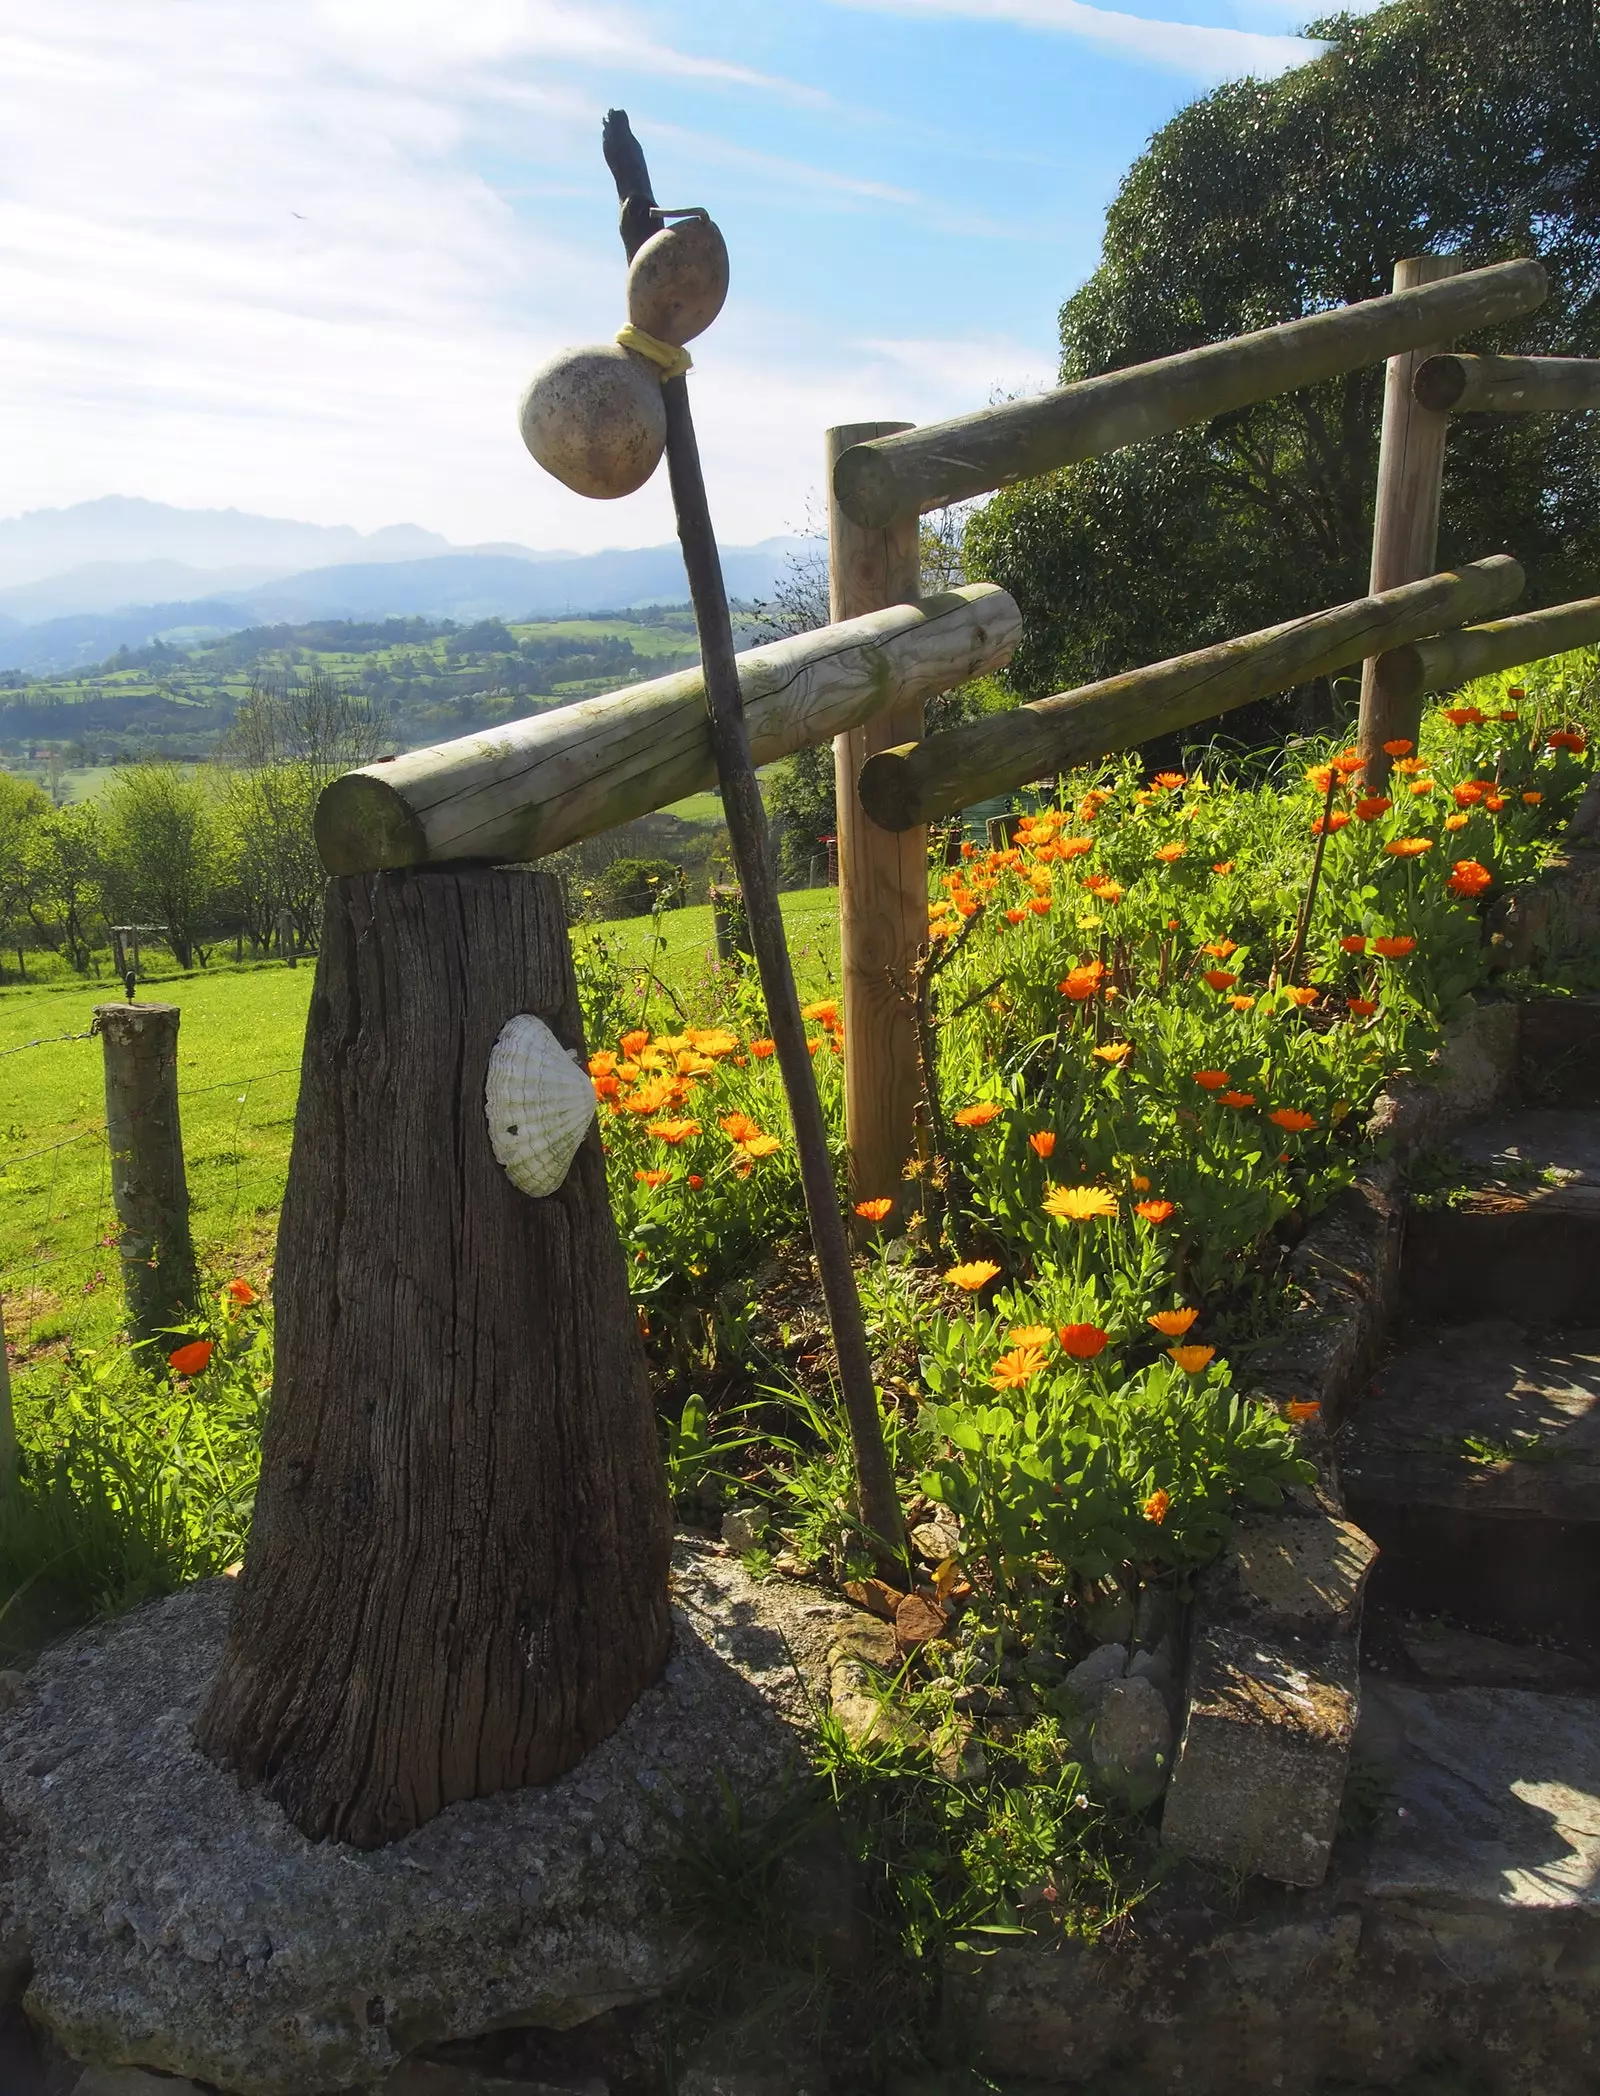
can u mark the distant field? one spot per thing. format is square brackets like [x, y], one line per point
[238, 1078]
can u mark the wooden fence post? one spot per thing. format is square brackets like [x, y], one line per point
[148, 1185]
[1405, 524]
[8, 1421]
[457, 1578]
[883, 876]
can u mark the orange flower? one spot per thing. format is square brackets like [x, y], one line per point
[1157, 1506]
[695, 1182]
[1219, 979]
[1042, 1141]
[1193, 1360]
[875, 1211]
[1567, 739]
[652, 1179]
[650, 1098]
[1363, 1007]
[1420, 788]
[603, 1064]
[1399, 747]
[1139, 1183]
[813, 1046]
[607, 1086]
[1292, 1120]
[1167, 853]
[1300, 1409]
[1469, 878]
[1082, 981]
[1079, 1204]
[1408, 847]
[1114, 1051]
[1073, 847]
[827, 1012]
[738, 1127]
[1393, 949]
[1456, 822]
[1220, 949]
[673, 1132]
[1170, 781]
[1104, 890]
[191, 1359]
[1300, 996]
[1411, 765]
[1020, 1366]
[1082, 1342]
[635, 1043]
[1154, 1211]
[1035, 1336]
[762, 1049]
[1040, 906]
[1533, 799]
[1320, 776]
[1238, 1098]
[1469, 792]
[972, 1274]
[241, 1293]
[1242, 1004]
[978, 1116]
[1172, 1324]
[1223, 866]
[1016, 916]
[1353, 942]
[1211, 1080]
[1347, 762]
[1494, 802]
[759, 1146]
[1463, 716]
[1374, 805]
[1338, 820]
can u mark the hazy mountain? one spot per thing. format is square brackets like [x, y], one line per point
[113, 585]
[126, 528]
[459, 586]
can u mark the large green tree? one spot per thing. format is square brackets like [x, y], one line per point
[1455, 126]
[160, 863]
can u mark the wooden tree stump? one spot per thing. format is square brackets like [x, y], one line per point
[148, 1186]
[457, 1582]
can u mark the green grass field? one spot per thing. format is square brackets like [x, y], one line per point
[238, 1077]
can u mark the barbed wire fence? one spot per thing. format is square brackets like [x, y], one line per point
[60, 1235]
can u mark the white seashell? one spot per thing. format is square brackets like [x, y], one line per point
[539, 1105]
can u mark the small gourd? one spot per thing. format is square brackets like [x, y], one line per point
[594, 418]
[678, 281]
[538, 1103]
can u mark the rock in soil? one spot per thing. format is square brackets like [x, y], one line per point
[182, 1924]
[1133, 1742]
[744, 1528]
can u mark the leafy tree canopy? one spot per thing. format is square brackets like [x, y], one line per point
[1452, 126]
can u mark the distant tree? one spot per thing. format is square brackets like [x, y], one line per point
[161, 862]
[1458, 126]
[630, 887]
[66, 875]
[22, 808]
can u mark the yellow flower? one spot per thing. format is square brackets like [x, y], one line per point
[972, 1274]
[761, 1146]
[1031, 1336]
[1114, 1051]
[1012, 1370]
[1192, 1359]
[1079, 1204]
[1172, 1324]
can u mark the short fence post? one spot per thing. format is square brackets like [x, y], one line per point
[148, 1185]
[286, 939]
[1405, 525]
[883, 875]
[731, 925]
[8, 1419]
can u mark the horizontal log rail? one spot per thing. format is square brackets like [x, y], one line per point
[1453, 385]
[1453, 659]
[943, 462]
[526, 789]
[925, 780]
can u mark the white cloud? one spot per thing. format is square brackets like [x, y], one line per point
[1202, 52]
[247, 257]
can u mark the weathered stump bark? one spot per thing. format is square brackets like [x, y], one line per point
[457, 1582]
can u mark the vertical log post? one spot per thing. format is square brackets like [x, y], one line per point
[1405, 525]
[883, 874]
[457, 1579]
[148, 1186]
[8, 1420]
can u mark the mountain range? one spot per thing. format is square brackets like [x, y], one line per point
[77, 584]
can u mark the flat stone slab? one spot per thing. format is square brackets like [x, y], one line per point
[1465, 1659]
[179, 1923]
[1495, 1801]
[1565, 1142]
[1299, 1571]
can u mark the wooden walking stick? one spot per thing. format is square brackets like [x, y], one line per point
[747, 830]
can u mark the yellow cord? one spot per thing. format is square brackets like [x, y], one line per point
[674, 361]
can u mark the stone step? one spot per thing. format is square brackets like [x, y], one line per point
[1524, 1243]
[1558, 1051]
[1474, 1464]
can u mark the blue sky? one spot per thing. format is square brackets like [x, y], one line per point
[301, 257]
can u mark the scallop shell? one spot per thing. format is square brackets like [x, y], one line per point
[539, 1105]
